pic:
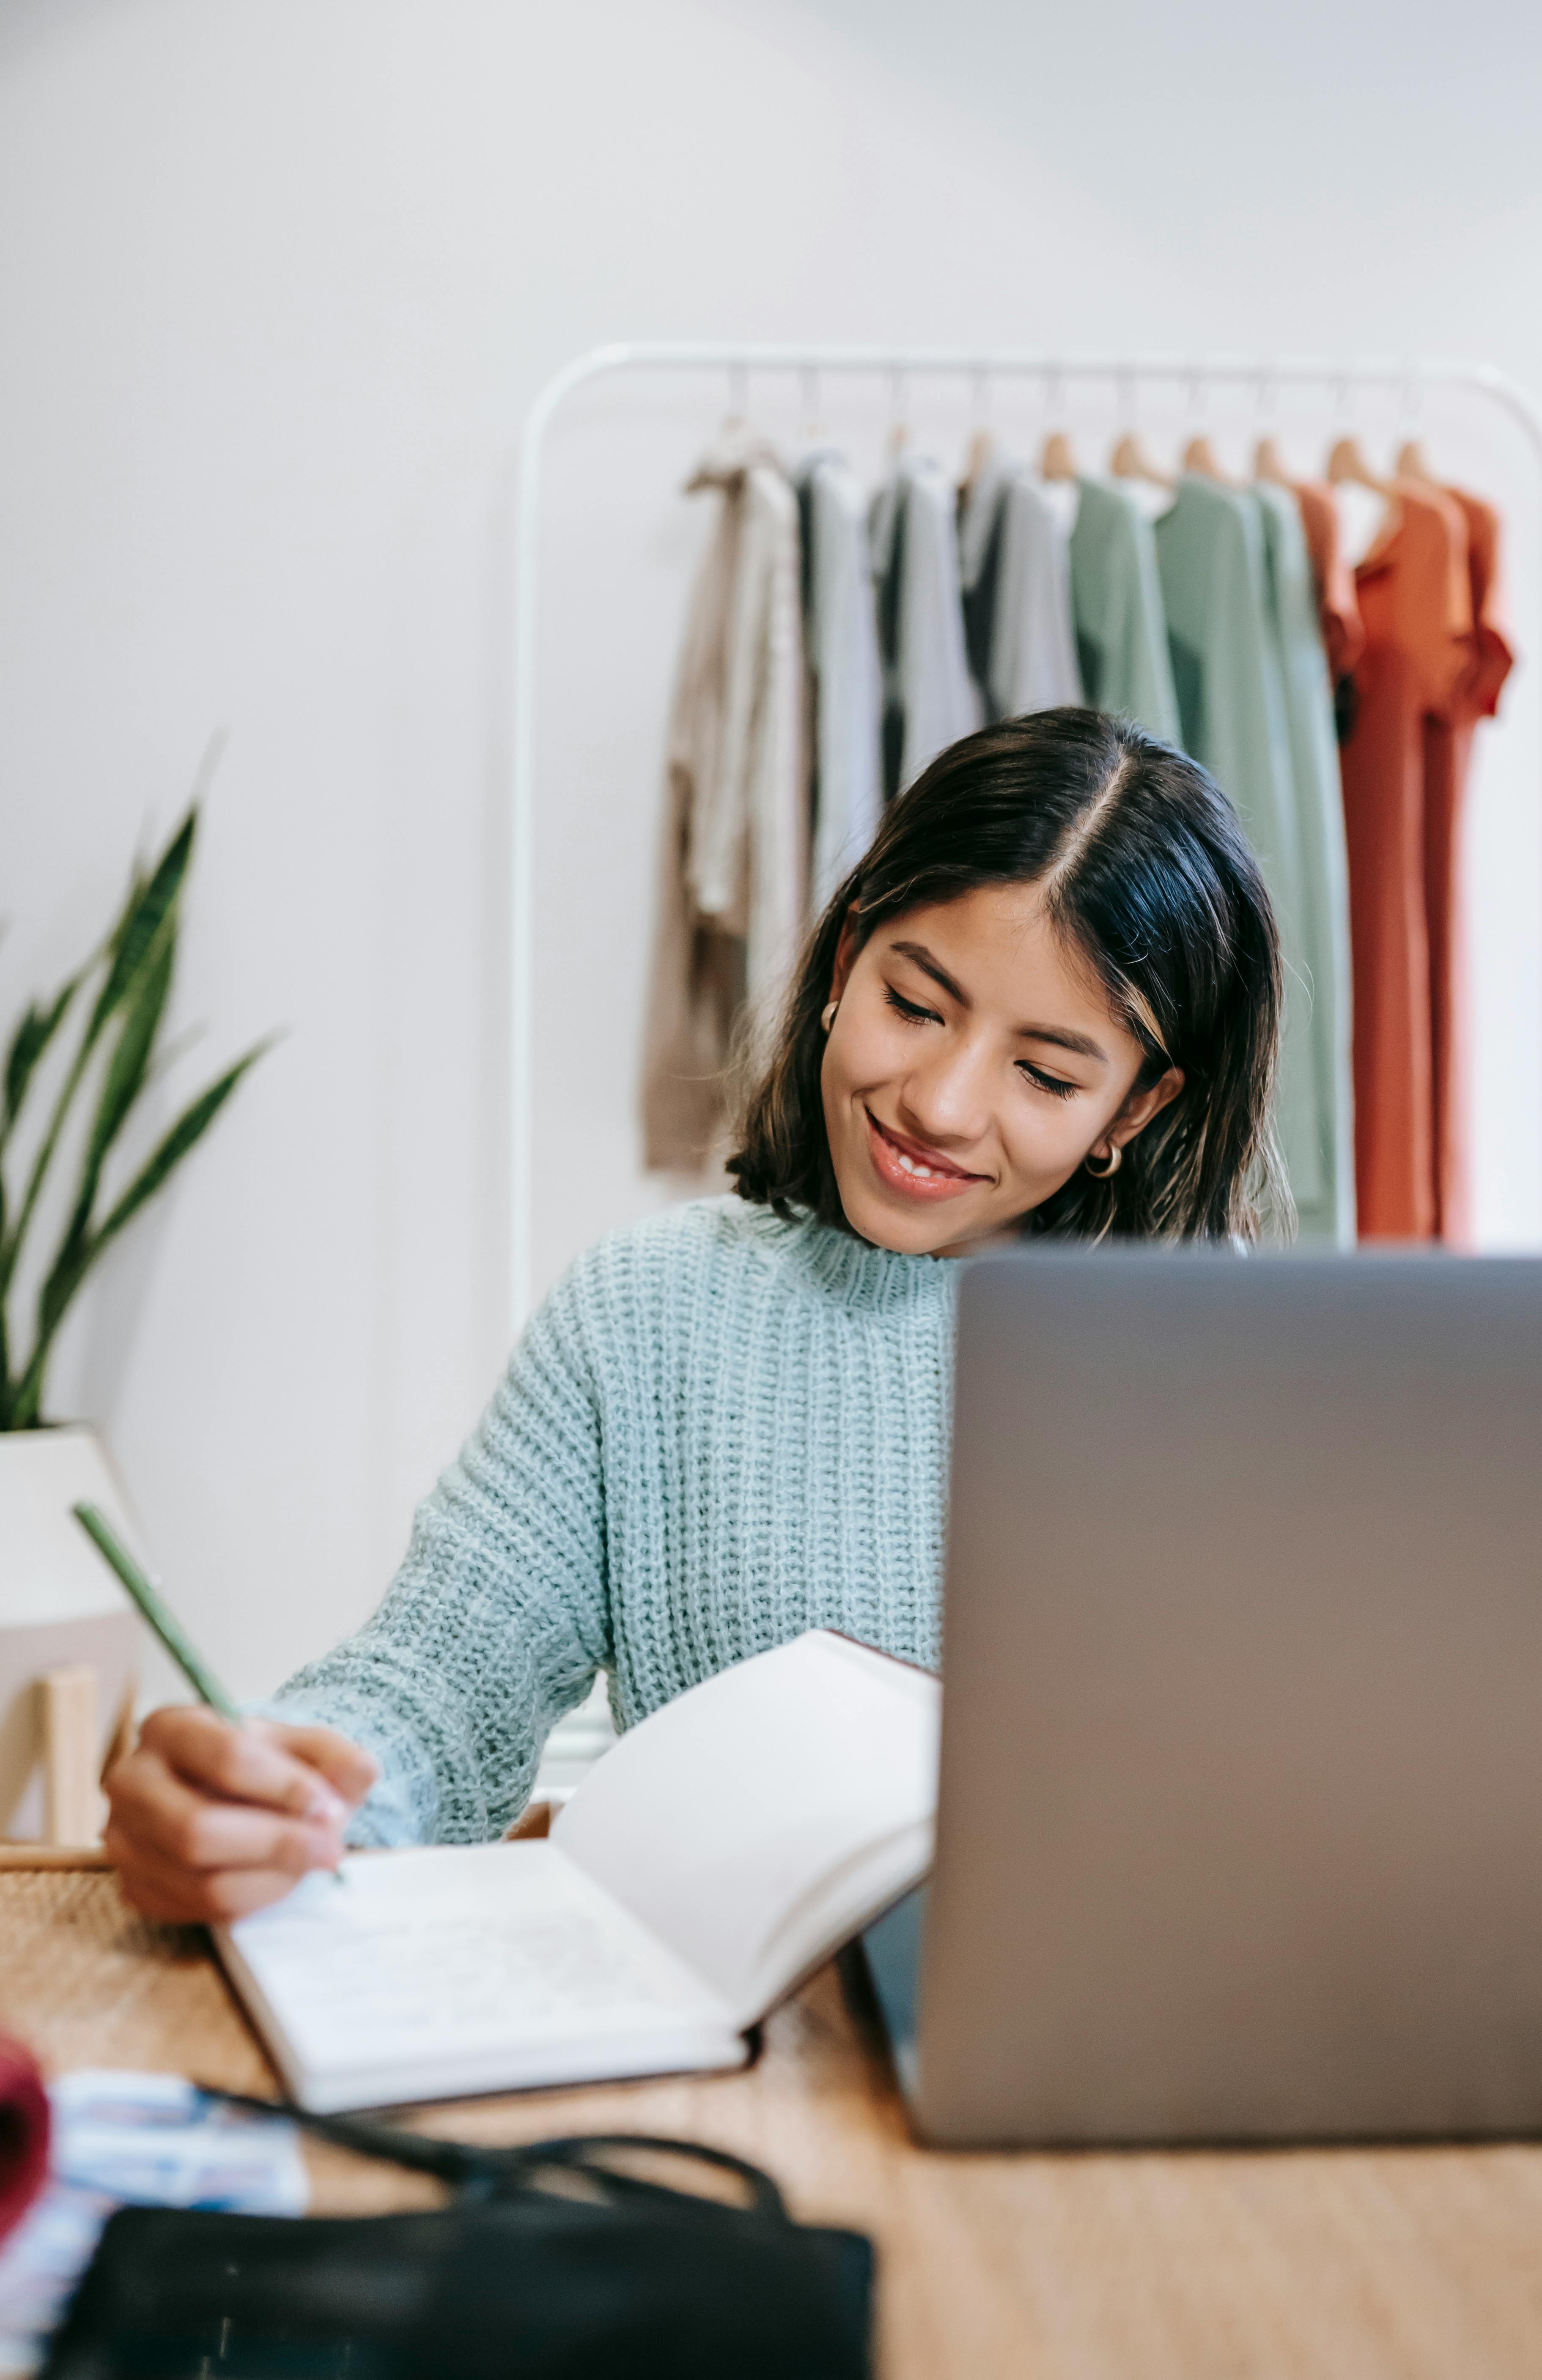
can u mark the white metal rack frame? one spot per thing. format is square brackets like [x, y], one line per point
[976, 369]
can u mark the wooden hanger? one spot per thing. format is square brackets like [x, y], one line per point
[899, 413]
[1057, 461]
[1131, 461]
[982, 446]
[1348, 466]
[1269, 464]
[982, 438]
[1413, 463]
[1200, 458]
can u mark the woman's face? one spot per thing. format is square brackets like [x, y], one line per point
[971, 1066]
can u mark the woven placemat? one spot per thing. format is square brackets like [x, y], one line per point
[83, 1982]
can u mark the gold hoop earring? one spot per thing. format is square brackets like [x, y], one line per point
[828, 1019]
[1105, 1173]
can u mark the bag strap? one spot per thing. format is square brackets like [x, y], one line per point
[452, 2161]
[584, 2150]
[492, 2172]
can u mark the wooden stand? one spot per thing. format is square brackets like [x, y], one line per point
[69, 1726]
[66, 1705]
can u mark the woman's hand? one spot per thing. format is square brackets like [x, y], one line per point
[209, 1821]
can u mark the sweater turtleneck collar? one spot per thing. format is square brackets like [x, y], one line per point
[861, 1276]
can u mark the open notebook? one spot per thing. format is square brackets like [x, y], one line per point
[719, 1853]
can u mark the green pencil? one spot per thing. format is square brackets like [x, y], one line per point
[160, 1617]
[167, 1626]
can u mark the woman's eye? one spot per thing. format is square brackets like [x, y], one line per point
[908, 1009]
[1054, 1084]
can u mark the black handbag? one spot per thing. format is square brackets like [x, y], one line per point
[554, 2261]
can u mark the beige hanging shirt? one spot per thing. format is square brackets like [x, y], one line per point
[732, 893]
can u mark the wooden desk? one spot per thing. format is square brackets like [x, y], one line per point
[1388, 2265]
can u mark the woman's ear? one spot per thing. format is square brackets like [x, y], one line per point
[1142, 1106]
[846, 953]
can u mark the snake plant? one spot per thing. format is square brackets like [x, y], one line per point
[116, 1006]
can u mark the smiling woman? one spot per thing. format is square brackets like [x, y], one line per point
[1045, 1002]
[973, 1062]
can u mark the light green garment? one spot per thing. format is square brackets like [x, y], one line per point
[1232, 703]
[1324, 867]
[1117, 600]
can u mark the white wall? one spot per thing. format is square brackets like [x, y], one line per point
[277, 279]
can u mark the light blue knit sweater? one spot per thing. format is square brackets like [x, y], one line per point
[720, 1429]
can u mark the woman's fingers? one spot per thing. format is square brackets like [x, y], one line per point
[347, 1767]
[211, 1819]
[242, 1763]
[174, 1895]
[154, 1805]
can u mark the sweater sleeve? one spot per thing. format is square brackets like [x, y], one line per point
[499, 1617]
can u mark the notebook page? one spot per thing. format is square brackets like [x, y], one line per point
[758, 1791]
[479, 1969]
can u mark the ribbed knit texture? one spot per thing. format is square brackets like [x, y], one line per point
[720, 1429]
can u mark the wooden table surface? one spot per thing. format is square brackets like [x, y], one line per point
[1344, 2264]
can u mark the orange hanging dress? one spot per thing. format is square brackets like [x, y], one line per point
[1448, 752]
[1415, 603]
[1343, 635]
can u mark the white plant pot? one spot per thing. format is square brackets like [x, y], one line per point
[61, 1610]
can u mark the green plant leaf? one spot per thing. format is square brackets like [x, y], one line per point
[189, 1129]
[73, 1263]
[29, 1043]
[151, 900]
[128, 1068]
[151, 907]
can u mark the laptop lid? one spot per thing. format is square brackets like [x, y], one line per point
[1240, 1831]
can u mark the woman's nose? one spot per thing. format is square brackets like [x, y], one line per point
[947, 1102]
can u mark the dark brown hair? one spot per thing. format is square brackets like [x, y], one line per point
[1147, 874]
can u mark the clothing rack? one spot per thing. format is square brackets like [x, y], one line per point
[976, 368]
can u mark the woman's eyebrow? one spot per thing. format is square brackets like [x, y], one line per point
[929, 965]
[1081, 1045]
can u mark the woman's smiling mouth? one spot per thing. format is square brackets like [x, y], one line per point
[911, 1167]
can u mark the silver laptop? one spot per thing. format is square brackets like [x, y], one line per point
[1240, 1832]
